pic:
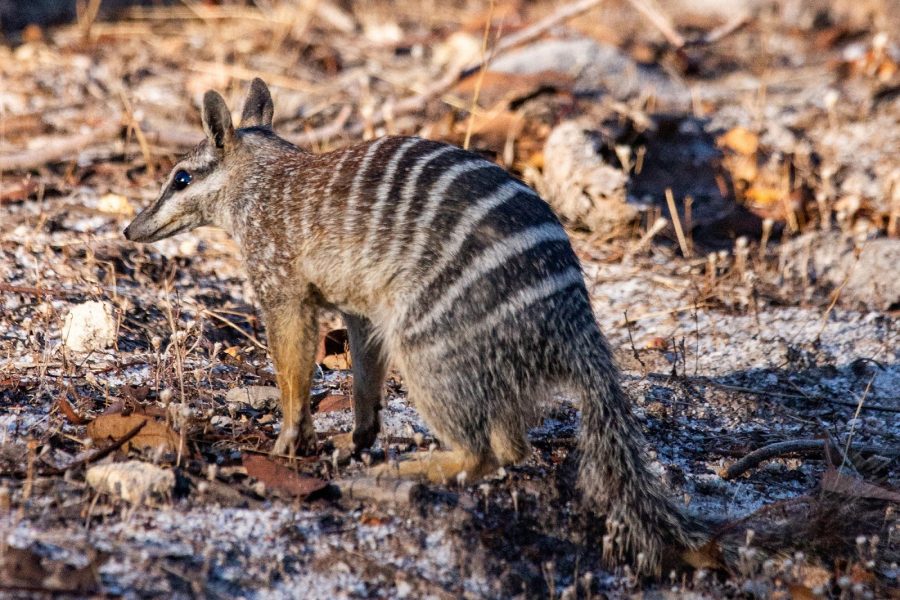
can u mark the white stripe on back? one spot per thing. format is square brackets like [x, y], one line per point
[472, 215]
[351, 212]
[381, 195]
[433, 202]
[517, 303]
[406, 196]
[329, 188]
[502, 250]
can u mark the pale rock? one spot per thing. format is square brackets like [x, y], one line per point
[115, 204]
[89, 326]
[259, 397]
[133, 481]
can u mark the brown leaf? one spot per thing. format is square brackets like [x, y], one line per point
[21, 567]
[280, 478]
[155, 433]
[741, 140]
[834, 482]
[333, 402]
[800, 592]
[24, 568]
[73, 417]
[18, 191]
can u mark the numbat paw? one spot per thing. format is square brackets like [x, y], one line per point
[296, 442]
[441, 466]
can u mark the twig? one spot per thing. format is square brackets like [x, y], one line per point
[862, 401]
[380, 490]
[771, 451]
[36, 291]
[657, 226]
[676, 221]
[55, 150]
[478, 83]
[720, 32]
[659, 20]
[218, 317]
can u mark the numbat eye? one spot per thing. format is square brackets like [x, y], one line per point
[181, 180]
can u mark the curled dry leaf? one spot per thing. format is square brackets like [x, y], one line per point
[280, 478]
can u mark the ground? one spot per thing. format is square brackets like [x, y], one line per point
[771, 317]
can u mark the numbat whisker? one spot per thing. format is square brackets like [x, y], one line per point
[446, 266]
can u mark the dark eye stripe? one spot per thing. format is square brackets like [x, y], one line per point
[181, 180]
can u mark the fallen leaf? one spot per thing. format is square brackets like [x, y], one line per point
[374, 519]
[741, 140]
[18, 191]
[813, 576]
[764, 195]
[337, 362]
[280, 478]
[25, 568]
[71, 416]
[154, 435]
[493, 127]
[334, 402]
[801, 592]
[834, 482]
[859, 574]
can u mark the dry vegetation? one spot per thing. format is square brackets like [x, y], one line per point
[750, 286]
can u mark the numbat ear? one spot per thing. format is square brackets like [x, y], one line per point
[258, 108]
[217, 121]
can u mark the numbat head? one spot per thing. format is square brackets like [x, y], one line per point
[442, 264]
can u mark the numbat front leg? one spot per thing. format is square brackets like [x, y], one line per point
[292, 332]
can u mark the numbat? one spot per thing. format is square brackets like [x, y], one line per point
[440, 262]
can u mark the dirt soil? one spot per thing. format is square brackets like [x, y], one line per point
[763, 310]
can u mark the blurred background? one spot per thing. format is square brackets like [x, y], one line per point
[753, 110]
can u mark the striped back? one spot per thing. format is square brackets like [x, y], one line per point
[466, 242]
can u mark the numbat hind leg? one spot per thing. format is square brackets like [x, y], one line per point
[438, 466]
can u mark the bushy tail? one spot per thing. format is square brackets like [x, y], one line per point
[642, 521]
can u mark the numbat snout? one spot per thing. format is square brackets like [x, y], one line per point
[444, 265]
